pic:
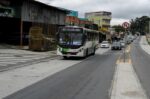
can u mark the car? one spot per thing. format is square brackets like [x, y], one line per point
[105, 44]
[122, 43]
[129, 40]
[116, 46]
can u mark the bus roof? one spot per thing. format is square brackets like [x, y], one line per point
[82, 28]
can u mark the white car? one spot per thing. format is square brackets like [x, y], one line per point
[122, 44]
[105, 44]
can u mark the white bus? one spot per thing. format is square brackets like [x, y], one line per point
[74, 41]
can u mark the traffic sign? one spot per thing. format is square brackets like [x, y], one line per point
[125, 25]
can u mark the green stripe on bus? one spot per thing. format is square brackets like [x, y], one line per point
[65, 49]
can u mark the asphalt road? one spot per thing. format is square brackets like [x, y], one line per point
[141, 64]
[89, 79]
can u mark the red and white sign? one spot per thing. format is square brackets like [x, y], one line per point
[125, 25]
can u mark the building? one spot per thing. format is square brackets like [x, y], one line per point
[72, 18]
[17, 17]
[73, 13]
[102, 18]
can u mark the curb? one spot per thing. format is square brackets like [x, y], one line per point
[122, 88]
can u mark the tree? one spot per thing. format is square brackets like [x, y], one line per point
[140, 24]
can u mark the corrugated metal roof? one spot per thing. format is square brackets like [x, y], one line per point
[47, 5]
[42, 4]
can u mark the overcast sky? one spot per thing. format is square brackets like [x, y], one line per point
[122, 10]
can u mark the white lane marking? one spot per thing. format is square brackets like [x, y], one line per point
[126, 84]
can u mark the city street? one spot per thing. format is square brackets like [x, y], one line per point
[74, 49]
[82, 75]
[88, 79]
[102, 76]
[141, 63]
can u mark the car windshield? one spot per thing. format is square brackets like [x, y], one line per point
[116, 43]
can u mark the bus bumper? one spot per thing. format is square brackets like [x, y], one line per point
[71, 54]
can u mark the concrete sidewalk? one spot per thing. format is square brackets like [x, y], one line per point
[144, 44]
[126, 84]
[15, 58]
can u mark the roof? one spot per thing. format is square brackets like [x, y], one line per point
[99, 12]
[49, 6]
[41, 4]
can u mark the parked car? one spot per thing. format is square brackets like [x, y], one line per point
[105, 44]
[116, 46]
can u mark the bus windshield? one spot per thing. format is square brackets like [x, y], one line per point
[70, 38]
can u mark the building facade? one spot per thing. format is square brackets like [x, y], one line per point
[17, 17]
[72, 19]
[73, 13]
[102, 18]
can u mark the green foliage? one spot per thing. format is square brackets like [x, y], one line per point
[140, 24]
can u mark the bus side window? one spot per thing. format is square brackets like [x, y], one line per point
[88, 36]
[92, 36]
